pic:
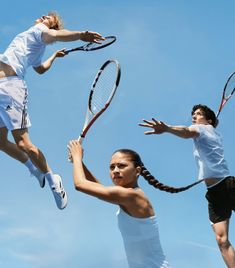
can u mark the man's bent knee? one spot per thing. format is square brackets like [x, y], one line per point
[27, 147]
[222, 242]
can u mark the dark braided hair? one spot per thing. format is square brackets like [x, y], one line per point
[153, 181]
[135, 158]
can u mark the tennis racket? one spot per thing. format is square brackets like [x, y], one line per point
[102, 91]
[94, 46]
[228, 91]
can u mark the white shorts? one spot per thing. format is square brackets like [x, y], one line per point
[13, 103]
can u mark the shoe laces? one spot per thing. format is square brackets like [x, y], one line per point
[59, 190]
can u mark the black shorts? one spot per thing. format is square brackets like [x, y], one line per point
[221, 200]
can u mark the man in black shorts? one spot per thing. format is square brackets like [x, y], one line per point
[221, 200]
[209, 155]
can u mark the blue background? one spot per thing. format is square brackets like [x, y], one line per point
[173, 54]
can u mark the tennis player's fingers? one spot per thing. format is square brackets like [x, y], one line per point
[98, 36]
[155, 121]
[147, 123]
[70, 158]
[73, 144]
[70, 147]
[98, 40]
[61, 53]
[144, 125]
[93, 37]
[149, 132]
[75, 148]
[154, 124]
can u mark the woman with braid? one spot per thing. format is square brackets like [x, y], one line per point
[209, 155]
[136, 217]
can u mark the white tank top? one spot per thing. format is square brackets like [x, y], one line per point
[25, 50]
[141, 241]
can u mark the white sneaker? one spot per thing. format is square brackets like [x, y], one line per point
[59, 193]
[40, 177]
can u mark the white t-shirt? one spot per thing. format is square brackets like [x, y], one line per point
[209, 153]
[25, 50]
[141, 241]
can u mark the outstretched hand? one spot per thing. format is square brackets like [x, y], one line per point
[158, 127]
[94, 37]
[75, 150]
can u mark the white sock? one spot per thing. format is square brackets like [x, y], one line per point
[50, 178]
[29, 164]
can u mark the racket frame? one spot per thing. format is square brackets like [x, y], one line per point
[225, 99]
[88, 123]
[86, 46]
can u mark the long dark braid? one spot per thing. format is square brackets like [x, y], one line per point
[150, 178]
[155, 183]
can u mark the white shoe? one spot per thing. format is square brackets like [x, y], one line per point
[40, 177]
[59, 193]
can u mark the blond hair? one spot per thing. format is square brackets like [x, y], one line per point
[58, 21]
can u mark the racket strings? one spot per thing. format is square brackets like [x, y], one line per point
[90, 46]
[103, 88]
[102, 91]
[99, 101]
[230, 87]
[106, 42]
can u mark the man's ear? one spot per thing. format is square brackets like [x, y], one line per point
[209, 121]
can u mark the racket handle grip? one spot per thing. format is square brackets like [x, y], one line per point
[67, 51]
[80, 139]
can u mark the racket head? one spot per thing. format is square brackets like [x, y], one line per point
[102, 91]
[228, 91]
[229, 87]
[104, 86]
[94, 46]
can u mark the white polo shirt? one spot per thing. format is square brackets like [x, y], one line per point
[209, 153]
[25, 50]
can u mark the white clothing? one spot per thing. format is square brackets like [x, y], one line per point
[25, 50]
[141, 241]
[209, 154]
[13, 103]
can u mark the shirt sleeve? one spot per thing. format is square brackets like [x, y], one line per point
[199, 128]
[38, 29]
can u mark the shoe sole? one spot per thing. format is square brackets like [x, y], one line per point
[43, 183]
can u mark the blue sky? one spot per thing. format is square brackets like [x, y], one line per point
[173, 54]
